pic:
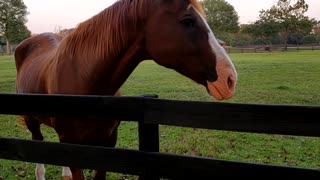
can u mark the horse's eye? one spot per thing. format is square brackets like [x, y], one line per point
[188, 22]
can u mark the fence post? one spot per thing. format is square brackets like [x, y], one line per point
[148, 141]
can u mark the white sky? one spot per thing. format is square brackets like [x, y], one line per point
[46, 15]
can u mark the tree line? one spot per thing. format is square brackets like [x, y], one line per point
[283, 23]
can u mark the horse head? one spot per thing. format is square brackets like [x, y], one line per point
[178, 37]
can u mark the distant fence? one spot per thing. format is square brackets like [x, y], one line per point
[248, 49]
[276, 48]
[3, 49]
[149, 113]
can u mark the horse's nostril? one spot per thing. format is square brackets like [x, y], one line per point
[230, 82]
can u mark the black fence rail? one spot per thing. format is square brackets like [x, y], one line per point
[148, 163]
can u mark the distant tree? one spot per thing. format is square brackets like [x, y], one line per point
[241, 39]
[316, 31]
[310, 39]
[63, 32]
[316, 28]
[221, 16]
[265, 29]
[17, 32]
[12, 21]
[290, 16]
[295, 38]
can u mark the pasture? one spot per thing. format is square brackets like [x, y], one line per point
[270, 78]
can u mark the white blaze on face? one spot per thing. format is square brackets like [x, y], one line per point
[224, 87]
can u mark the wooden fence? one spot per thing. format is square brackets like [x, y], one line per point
[275, 48]
[149, 113]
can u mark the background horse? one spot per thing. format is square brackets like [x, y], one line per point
[98, 56]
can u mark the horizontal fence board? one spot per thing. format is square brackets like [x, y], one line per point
[122, 108]
[138, 163]
[256, 118]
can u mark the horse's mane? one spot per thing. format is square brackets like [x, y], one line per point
[93, 37]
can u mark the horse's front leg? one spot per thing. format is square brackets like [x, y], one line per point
[77, 174]
[100, 175]
[33, 125]
[111, 142]
[66, 173]
[69, 173]
[40, 172]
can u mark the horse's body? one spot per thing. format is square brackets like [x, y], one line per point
[99, 55]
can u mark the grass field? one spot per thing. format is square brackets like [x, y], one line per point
[275, 78]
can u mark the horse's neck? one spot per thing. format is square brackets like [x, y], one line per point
[102, 55]
[99, 75]
[111, 77]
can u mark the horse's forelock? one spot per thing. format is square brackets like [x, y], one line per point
[198, 6]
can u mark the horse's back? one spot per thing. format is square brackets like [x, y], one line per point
[32, 57]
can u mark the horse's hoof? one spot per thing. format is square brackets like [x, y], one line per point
[67, 178]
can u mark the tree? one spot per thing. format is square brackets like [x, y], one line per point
[241, 39]
[290, 16]
[265, 29]
[316, 31]
[17, 32]
[295, 38]
[316, 28]
[12, 20]
[221, 16]
[310, 39]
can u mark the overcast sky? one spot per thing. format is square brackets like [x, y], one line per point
[46, 15]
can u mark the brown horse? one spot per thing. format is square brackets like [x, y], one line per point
[98, 56]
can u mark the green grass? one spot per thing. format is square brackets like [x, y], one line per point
[269, 78]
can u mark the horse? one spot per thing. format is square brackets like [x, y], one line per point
[98, 56]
